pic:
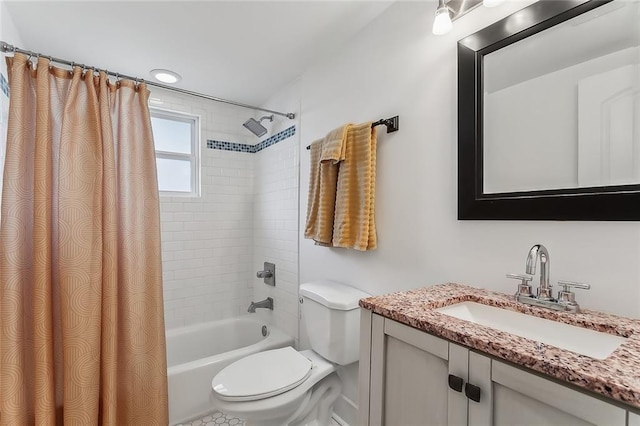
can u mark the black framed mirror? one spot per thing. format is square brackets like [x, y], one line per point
[533, 145]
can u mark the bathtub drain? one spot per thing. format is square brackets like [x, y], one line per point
[264, 331]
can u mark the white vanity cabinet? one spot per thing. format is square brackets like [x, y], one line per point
[412, 378]
[634, 419]
[407, 373]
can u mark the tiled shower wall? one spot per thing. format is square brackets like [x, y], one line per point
[275, 222]
[213, 245]
[207, 241]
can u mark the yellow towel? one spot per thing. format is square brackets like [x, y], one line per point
[354, 219]
[323, 182]
[342, 188]
[334, 145]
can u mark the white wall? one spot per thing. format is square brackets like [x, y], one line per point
[420, 240]
[207, 241]
[395, 66]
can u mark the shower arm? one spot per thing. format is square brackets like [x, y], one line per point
[9, 49]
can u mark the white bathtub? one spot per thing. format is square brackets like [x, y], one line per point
[198, 352]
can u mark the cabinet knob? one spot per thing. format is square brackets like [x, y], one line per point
[472, 392]
[455, 383]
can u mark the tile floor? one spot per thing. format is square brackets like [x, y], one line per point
[215, 419]
[220, 419]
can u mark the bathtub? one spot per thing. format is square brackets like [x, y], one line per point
[198, 352]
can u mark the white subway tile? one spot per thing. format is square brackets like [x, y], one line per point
[247, 213]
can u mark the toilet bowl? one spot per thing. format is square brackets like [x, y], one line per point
[286, 387]
[289, 401]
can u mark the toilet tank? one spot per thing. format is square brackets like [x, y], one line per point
[331, 316]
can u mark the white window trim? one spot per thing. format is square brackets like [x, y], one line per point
[195, 155]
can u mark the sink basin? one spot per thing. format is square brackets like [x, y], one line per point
[587, 342]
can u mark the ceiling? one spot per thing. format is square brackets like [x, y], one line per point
[244, 51]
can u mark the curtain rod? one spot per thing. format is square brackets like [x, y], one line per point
[393, 124]
[8, 48]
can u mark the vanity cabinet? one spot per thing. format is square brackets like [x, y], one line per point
[409, 377]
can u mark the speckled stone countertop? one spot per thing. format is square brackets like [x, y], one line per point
[617, 376]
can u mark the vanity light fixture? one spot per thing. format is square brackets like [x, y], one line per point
[449, 11]
[442, 23]
[165, 76]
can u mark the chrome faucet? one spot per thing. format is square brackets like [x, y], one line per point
[566, 298]
[540, 251]
[266, 303]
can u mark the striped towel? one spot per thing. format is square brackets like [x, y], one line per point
[354, 221]
[323, 183]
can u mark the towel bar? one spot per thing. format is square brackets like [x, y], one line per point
[391, 123]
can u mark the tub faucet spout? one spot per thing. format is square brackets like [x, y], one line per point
[266, 303]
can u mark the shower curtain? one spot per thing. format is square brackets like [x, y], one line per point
[81, 310]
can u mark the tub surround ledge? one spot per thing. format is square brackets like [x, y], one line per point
[616, 377]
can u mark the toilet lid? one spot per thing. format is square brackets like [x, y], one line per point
[262, 375]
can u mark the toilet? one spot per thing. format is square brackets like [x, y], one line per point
[286, 387]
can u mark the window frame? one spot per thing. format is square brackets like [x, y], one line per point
[193, 158]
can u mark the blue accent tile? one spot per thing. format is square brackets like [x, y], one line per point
[242, 147]
[4, 85]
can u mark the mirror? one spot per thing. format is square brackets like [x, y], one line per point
[549, 114]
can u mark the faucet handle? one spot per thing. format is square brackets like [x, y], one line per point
[524, 288]
[524, 277]
[566, 285]
[567, 298]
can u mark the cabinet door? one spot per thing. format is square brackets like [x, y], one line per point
[634, 419]
[480, 410]
[522, 398]
[410, 375]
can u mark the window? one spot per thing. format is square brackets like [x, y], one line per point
[176, 137]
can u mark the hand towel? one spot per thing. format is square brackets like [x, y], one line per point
[334, 145]
[354, 219]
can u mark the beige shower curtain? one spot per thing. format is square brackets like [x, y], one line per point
[81, 311]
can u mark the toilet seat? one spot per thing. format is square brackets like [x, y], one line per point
[262, 375]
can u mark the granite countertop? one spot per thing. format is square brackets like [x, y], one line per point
[617, 376]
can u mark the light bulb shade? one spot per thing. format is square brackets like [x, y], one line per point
[492, 3]
[442, 24]
[165, 76]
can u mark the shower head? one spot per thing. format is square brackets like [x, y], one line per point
[255, 127]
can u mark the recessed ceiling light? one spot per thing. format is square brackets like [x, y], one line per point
[165, 76]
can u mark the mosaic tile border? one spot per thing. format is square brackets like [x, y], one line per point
[4, 85]
[243, 147]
